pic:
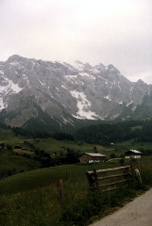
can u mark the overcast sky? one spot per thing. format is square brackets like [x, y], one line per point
[117, 32]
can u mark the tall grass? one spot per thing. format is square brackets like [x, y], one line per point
[33, 198]
[146, 171]
[34, 207]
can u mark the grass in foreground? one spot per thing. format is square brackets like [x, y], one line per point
[32, 198]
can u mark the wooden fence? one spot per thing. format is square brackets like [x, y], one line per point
[112, 177]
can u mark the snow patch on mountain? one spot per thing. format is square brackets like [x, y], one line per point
[1, 104]
[115, 116]
[14, 87]
[87, 75]
[107, 97]
[79, 65]
[15, 63]
[25, 78]
[1, 72]
[70, 77]
[131, 102]
[83, 106]
[64, 87]
[9, 87]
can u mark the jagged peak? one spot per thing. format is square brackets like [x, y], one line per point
[15, 57]
[140, 81]
[100, 66]
[78, 62]
[110, 67]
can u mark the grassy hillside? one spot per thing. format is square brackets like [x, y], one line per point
[33, 198]
[30, 194]
[50, 145]
[132, 144]
[10, 163]
[13, 161]
[42, 177]
[8, 136]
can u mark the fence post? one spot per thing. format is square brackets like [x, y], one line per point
[138, 176]
[90, 180]
[61, 193]
[96, 179]
[126, 173]
[132, 167]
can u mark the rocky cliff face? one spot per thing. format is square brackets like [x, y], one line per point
[54, 95]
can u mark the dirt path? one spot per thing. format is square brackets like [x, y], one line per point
[136, 213]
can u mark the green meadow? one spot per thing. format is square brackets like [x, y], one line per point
[50, 145]
[30, 195]
[132, 144]
[10, 162]
[33, 198]
[13, 161]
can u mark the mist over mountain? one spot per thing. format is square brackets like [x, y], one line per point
[51, 96]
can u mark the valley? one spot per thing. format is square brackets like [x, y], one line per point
[51, 113]
[31, 166]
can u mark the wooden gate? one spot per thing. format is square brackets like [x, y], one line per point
[109, 179]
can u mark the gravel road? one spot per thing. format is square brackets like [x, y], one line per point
[136, 213]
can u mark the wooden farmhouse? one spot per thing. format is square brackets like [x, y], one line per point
[92, 157]
[133, 154]
[17, 147]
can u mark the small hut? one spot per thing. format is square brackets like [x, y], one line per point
[92, 157]
[17, 147]
[133, 154]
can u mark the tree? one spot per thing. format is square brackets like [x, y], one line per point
[113, 155]
[9, 147]
[72, 156]
[2, 145]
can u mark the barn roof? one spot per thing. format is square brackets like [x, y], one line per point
[135, 152]
[95, 154]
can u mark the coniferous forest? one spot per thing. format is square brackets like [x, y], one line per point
[105, 134]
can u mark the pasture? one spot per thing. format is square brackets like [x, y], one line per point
[13, 161]
[32, 198]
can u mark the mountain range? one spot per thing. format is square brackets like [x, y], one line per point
[53, 96]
